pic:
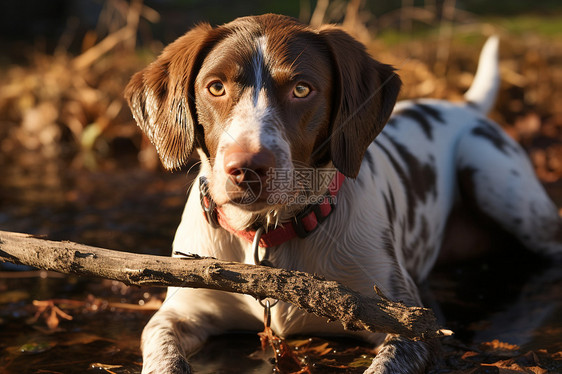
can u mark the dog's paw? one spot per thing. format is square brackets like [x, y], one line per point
[169, 365]
[402, 356]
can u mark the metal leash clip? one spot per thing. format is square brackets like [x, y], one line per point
[266, 304]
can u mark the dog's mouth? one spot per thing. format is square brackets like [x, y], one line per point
[254, 196]
[267, 199]
[277, 189]
[245, 192]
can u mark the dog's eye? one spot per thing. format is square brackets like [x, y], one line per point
[301, 90]
[216, 88]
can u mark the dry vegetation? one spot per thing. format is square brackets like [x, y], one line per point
[62, 105]
[72, 106]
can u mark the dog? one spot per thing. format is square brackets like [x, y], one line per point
[297, 172]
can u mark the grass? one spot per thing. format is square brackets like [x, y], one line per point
[549, 27]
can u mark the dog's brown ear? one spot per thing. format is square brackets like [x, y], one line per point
[161, 97]
[365, 94]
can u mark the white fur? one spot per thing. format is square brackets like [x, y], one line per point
[253, 126]
[484, 89]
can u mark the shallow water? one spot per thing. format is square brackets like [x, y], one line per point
[512, 297]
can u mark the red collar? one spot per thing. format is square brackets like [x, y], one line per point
[302, 225]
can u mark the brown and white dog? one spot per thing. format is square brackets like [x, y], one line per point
[288, 122]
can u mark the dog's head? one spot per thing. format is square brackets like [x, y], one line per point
[260, 98]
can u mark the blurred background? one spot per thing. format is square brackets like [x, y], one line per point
[64, 65]
[74, 166]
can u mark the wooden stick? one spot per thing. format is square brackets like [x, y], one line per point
[311, 293]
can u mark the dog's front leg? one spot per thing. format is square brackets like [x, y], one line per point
[403, 356]
[185, 321]
[399, 355]
[167, 340]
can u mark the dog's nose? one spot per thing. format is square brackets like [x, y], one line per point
[245, 166]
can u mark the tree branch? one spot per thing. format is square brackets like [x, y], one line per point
[309, 292]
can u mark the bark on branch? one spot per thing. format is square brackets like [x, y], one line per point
[311, 293]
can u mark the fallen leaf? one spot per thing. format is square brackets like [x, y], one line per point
[537, 370]
[50, 313]
[321, 350]
[35, 347]
[469, 354]
[104, 366]
[363, 361]
[500, 348]
[152, 304]
[286, 360]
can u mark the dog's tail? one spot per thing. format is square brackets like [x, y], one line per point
[482, 93]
